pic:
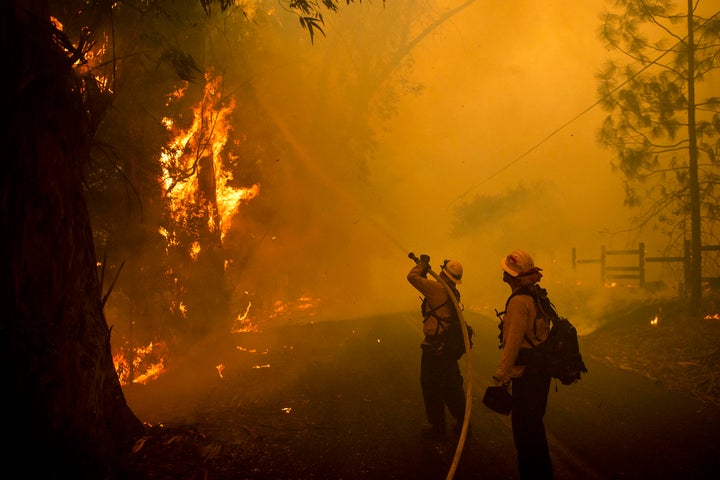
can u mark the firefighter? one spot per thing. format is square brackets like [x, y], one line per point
[529, 385]
[440, 379]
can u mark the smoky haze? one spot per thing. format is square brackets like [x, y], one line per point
[484, 100]
[376, 135]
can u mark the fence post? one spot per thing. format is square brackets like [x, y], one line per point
[574, 258]
[641, 264]
[602, 264]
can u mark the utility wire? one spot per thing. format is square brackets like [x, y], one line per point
[554, 132]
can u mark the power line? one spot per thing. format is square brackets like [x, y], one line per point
[573, 119]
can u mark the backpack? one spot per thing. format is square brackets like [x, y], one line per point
[559, 355]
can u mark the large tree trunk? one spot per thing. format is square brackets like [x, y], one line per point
[68, 415]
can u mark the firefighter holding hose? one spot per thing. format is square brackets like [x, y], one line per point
[443, 344]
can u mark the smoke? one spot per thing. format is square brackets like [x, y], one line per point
[406, 128]
[396, 120]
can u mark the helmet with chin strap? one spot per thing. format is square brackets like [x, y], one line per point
[453, 270]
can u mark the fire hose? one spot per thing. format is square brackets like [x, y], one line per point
[468, 393]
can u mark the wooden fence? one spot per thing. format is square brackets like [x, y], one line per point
[636, 261]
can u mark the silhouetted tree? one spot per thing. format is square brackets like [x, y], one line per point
[68, 415]
[667, 140]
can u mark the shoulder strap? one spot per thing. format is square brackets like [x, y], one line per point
[548, 311]
[534, 291]
[524, 290]
[431, 312]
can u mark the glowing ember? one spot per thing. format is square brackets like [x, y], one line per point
[304, 303]
[142, 364]
[654, 321]
[248, 350]
[715, 316]
[243, 324]
[220, 369]
[195, 250]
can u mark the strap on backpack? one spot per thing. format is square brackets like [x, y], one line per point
[431, 312]
[530, 290]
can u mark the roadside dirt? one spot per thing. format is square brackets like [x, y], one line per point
[679, 352]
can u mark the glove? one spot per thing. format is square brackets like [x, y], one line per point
[425, 262]
[500, 383]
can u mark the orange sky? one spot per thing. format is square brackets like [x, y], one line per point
[506, 100]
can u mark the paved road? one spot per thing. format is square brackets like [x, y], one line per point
[341, 400]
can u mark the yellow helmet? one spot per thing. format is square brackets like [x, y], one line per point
[453, 270]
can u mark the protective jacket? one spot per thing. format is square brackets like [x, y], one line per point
[438, 309]
[520, 323]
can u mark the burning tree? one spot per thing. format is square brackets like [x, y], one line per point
[667, 139]
[69, 418]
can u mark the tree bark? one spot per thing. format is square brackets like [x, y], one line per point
[68, 415]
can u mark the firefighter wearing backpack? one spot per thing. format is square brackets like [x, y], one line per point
[440, 379]
[529, 384]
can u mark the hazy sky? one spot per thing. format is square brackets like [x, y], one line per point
[498, 79]
[489, 97]
[498, 96]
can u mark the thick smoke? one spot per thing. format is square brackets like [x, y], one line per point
[370, 141]
[488, 101]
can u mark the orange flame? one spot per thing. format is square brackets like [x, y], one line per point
[243, 324]
[145, 363]
[304, 303]
[180, 160]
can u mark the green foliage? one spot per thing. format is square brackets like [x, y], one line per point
[646, 86]
[488, 211]
[307, 11]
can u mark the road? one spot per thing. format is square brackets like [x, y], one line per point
[341, 400]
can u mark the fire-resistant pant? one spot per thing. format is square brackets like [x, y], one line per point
[529, 401]
[442, 384]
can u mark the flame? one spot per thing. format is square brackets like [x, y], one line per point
[248, 350]
[715, 316]
[220, 369]
[304, 303]
[195, 250]
[654, 321]
[243, 324]
[182, 159]
[144, 364]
